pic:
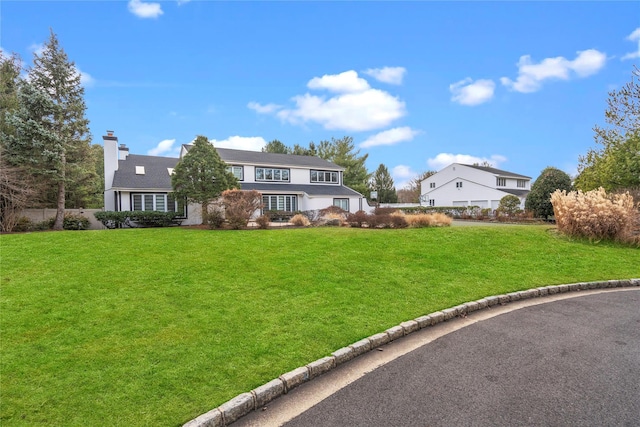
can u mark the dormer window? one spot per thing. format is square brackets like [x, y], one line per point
[501, 182]
[139, 170]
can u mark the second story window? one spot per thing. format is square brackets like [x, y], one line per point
[271, 174]
[459, 184]
[501, 182]
[237, 171]
[432, 185]
[522, 183]
[324, 176]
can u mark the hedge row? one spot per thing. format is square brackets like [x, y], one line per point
[112, 219]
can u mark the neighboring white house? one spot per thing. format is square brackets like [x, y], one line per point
[469, 185]
[287, 182]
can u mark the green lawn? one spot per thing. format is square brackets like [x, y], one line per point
[156, 326]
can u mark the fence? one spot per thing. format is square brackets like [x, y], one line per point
[39, 215]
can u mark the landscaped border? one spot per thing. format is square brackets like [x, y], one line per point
[245, 403]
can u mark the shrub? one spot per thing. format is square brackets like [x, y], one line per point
[539, 198]
[333, 212]
[334, 219]
[384, 211]
[509, 205]
[428, 220]
[75, 222]
[595, 215]
[357, 219]
[398, 221]
[240, 205]
[312, 215]
[111, 219]
[263, 221]
[214, 218]
[23, 224]
[300, 220]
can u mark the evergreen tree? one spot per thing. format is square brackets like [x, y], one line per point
[343, 153]
[382, 182]
[276, 146]
[539, 198]
[51, 131]
[201, 176]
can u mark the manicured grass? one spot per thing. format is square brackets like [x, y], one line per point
[156, 326]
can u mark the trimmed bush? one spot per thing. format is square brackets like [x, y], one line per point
[263, 221]
[75, 222]
[357, 219]
[300, 220]
[595, 215]
[111, 219]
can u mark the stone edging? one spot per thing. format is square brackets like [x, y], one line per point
[244, 403]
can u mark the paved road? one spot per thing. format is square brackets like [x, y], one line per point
[571, 362]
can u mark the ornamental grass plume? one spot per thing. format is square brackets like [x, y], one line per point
[595, 215]
[428, 220]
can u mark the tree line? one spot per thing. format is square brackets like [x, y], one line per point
[46, 155]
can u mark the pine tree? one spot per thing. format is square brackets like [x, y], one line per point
[201, 176]
[343, 153]
[52, 133]
[382, 182]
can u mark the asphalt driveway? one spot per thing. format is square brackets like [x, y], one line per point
[570, 362]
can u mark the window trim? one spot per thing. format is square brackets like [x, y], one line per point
[522, 183]
[264, 174]
[501, 182]
[333, 174]
[341, 199]
[166, 199]
[241, 167]
[291, 198]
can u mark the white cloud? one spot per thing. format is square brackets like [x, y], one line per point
[531, 75]
[250, 143]
[144, 9]
[165, 148]
[368, 110]
[264, 109]
[633, 37]
[391, 75]
[402, 175]
[443, 160]
[86, 79]
[347, 82]
[390, 137]
[37, 48]
[356, 106]
[468, 92]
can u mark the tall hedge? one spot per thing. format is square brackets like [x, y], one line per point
[539, 199]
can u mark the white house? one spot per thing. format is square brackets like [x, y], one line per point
[287, 182]
[469, 185]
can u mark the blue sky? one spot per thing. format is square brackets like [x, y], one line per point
[418, 85]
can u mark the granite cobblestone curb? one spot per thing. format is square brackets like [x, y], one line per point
[245, 403]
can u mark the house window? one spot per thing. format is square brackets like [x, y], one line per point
[459, 184]
[324, 176]
[432, 185]
[280, 203]
[501, 182]
[270, 174]
[237, 171]
[432, 202]
[522, 183]
[342, 204]
[157, 202]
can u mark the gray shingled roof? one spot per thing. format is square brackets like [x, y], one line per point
[499, 172]
[274, 159]
[155, 175]
[312, 190]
